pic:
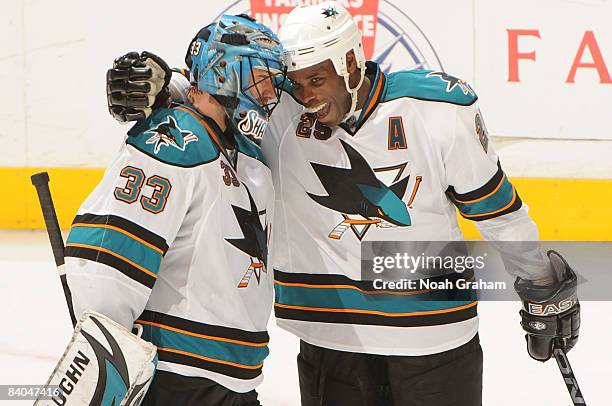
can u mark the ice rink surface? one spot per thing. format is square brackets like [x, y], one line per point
[36, 329]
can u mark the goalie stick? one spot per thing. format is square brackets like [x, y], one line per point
[568, 377]
[41, 183]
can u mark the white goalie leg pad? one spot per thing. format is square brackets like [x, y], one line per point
[104, 364]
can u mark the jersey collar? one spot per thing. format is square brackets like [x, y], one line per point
[376, 75]
[213, 130]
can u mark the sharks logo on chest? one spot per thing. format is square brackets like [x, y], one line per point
[360, 197]
[254, 243]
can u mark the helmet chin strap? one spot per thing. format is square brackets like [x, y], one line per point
[353, 92]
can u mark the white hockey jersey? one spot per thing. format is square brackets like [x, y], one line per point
[174, 238]
[418, 151]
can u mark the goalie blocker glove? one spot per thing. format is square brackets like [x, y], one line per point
[137, 84]
[550, 314]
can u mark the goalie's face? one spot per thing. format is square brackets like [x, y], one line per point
[258, 95]
[261, 86]
[322, 91]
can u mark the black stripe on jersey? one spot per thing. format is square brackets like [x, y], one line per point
[373, 319]
[125, 225]
[229, 370]
[517, 204]
[488, 188]
[319, 279]
[107, 259]
[330, 279]
[256, 337]
[481, 191]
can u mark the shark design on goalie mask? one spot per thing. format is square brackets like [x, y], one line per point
[357, 191]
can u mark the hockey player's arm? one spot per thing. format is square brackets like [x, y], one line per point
[482, 192]
[121, 233]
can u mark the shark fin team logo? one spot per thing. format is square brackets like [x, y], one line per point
[254, 243]
[360, 197]
[113, 376]
[452, 82]
[169, 134]
[330, 12]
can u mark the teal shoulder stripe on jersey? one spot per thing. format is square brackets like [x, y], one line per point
[216, 350]
[351, 299]
[175, 136]
[428, 85]
[249, 148]
[118, 243]
[124, 225]
[498, 200]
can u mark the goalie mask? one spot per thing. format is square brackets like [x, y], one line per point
[313, 34]
[239, 62]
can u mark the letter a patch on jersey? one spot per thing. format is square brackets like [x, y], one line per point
[397, 136]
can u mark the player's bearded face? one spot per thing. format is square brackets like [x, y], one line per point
[322, 91]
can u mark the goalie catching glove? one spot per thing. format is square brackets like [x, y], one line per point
[137, 84]
[551, 313]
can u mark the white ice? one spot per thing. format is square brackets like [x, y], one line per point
[36, 328]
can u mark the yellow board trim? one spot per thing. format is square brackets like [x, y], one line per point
[69, 187]
[563, 209]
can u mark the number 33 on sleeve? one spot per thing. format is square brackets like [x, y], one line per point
[132, 190]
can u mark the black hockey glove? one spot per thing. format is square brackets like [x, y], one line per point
[137, 84]
[550, 314]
